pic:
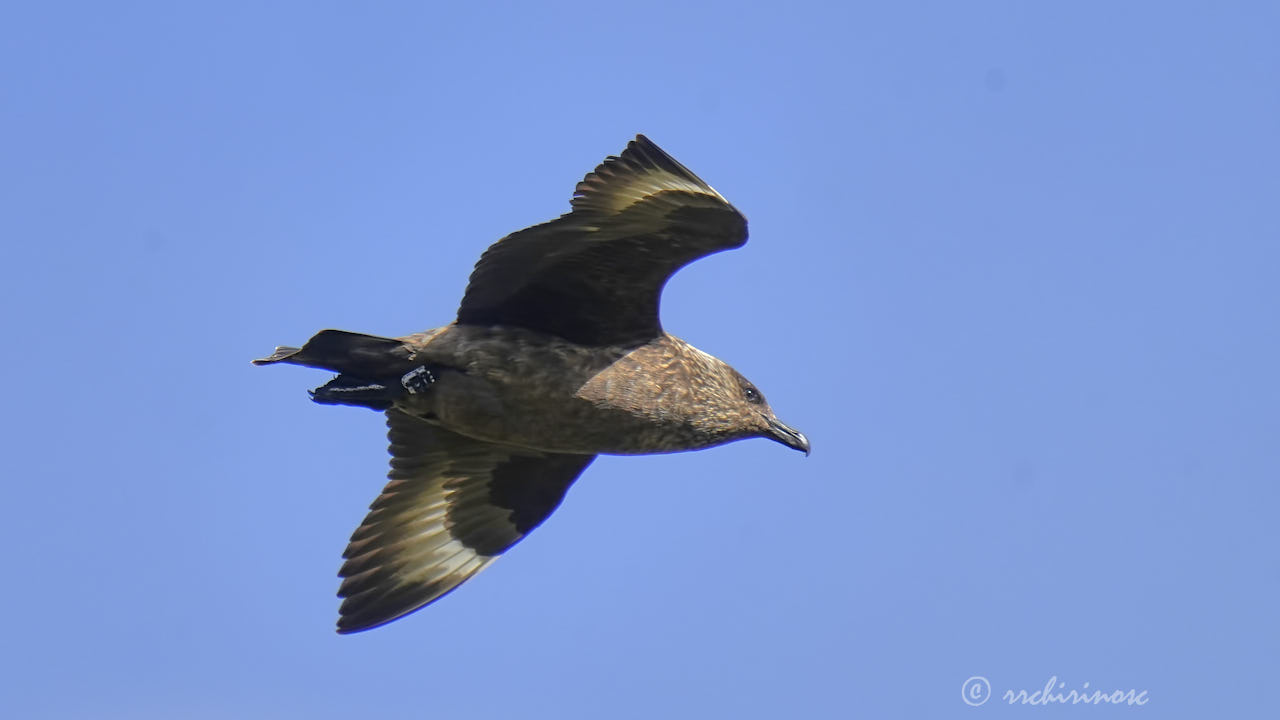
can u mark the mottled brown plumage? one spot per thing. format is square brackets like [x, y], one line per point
[557, 355]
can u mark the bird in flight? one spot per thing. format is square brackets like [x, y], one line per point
[557, 355]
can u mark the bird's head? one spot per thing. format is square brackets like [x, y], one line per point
[700, 399]
[755, 412]
[733, 407]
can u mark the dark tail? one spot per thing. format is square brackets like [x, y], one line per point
[367, 356]
[373, 372]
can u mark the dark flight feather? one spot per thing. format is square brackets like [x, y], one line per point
[595, 276]
[452, 506]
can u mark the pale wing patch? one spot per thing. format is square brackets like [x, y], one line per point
[643, 170]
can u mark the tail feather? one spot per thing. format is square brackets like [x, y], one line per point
[366, 356]
[281, 354]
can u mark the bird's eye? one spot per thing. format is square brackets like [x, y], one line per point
[752, 395]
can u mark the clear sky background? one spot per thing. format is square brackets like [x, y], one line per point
[1013, 269]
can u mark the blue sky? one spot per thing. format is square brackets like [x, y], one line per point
[1012, 269]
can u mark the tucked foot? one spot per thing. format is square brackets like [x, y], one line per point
[373, 394]
[348, 390]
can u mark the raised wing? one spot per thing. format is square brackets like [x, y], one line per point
[453, 505]
[595, 276]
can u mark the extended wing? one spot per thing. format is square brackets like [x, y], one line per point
[595, 276]
[453, 506]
